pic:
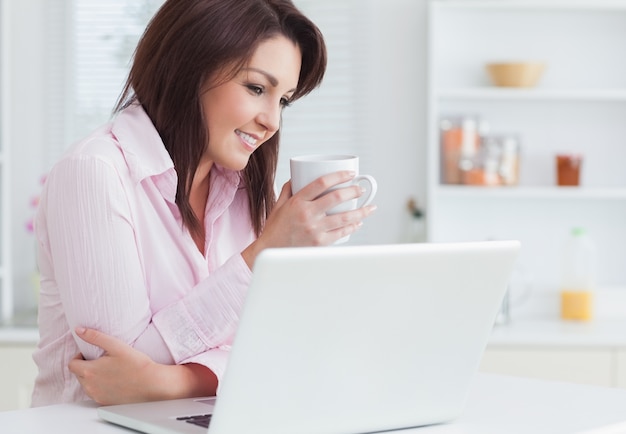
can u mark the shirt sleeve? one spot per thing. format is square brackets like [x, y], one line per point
[98, 270]
[189, 326]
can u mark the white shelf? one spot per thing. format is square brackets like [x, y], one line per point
[547, 192]
[579, 106]
[534, 4]
[19, 335]
[535, 94]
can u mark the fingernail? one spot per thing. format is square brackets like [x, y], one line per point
[80, 330]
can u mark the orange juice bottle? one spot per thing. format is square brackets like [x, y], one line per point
[578, 277]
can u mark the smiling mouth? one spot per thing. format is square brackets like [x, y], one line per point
[246, 138]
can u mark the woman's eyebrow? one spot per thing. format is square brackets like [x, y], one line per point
[273, 80]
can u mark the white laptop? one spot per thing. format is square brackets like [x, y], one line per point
[351, 339]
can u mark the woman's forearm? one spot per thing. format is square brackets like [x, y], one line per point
[185, 381]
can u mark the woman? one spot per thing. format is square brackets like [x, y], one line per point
[149, 227]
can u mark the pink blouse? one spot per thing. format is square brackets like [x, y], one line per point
[114, 256]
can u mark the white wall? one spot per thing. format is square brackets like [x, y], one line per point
[397, 127]
[398, 104]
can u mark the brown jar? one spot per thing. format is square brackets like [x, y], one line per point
[568, 169]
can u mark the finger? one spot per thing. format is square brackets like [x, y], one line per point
[319, 186]
[77, 365]
[344, 231]
[336, 197]
[285, 194]
[108, 343]
[349, 218]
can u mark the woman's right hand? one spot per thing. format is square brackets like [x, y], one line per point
[124, 375]
[300, 219]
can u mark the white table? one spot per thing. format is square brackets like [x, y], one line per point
[497, 404]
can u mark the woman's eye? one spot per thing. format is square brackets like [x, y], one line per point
[284, 102]
[257, 90]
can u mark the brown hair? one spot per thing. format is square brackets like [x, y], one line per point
[188, 41]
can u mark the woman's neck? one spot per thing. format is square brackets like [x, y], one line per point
[198, 197]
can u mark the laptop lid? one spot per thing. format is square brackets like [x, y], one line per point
[361, 338]
[358, 339]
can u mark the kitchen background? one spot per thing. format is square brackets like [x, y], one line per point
[403, 79]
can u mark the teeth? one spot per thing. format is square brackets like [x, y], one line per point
[248, 138]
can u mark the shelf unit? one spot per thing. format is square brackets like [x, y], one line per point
[578, 106]
[512, 94]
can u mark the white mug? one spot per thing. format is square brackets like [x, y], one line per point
[307, 168]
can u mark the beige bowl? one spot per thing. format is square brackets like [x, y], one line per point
[515, 74]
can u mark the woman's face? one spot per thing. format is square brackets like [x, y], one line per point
[244, 112]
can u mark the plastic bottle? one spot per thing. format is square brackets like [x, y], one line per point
[578, 276]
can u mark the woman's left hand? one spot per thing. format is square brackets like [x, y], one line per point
[124, 375]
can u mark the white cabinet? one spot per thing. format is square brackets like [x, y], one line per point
[549, 348]
[579, 106]
[17, 376]
[592, 366]
[621, 369]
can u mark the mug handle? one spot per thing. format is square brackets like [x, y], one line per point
[371, 188]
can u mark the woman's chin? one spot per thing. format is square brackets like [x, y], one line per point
[237, 164]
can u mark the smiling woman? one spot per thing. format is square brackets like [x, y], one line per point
[82, 49]
[250, 104]
[242, 113]
[148, 228]
[264, 86]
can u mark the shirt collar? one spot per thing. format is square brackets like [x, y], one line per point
[141, 144]
[146, 155]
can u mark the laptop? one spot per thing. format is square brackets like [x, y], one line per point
[349, 339]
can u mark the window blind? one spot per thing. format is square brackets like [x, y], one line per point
[89, 47]
[105, 36]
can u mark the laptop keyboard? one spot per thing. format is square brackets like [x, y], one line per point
[202, 420]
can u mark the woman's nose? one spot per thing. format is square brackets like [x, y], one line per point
[269, 117]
